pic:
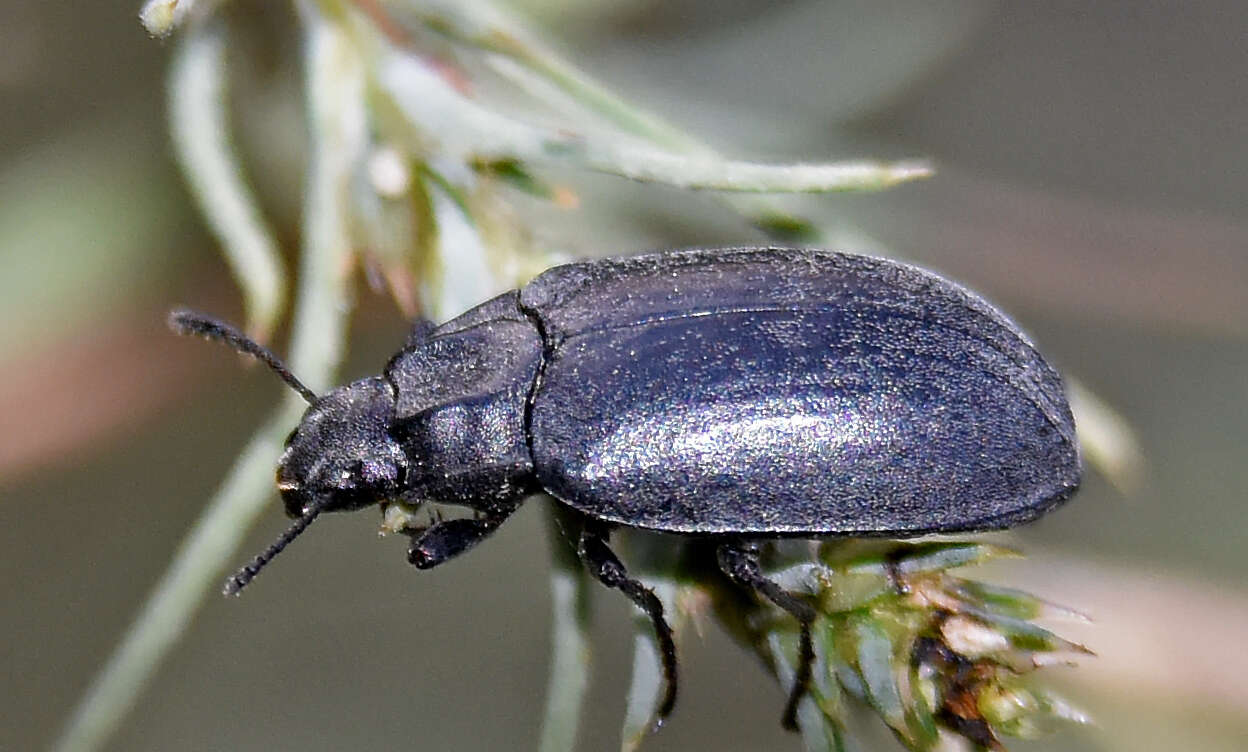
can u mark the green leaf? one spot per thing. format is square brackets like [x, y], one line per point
[924, 558]
[920, 710]
[874, 658]
[514, 173]
[443, 119]
[831, 733]
[1026, 712]
[1006, 601]
[1020, 634]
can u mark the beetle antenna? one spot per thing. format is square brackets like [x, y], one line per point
[239, 579]
[186, 322]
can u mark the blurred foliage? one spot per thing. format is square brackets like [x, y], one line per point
[104, 235]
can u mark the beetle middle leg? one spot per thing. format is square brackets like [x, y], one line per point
[739, 560]
[606, 566]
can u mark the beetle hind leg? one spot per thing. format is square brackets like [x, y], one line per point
[609, 570]
[739, 560]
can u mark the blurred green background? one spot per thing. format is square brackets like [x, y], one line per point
[1092, 164]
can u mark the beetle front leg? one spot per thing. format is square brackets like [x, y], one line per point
[739, 560]
[443, 541]
[609, 570]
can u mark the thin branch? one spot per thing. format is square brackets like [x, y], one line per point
[197, 122]
[464, 127]
[569, 643]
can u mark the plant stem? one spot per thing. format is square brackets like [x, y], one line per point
[197, 123]
[335, 83]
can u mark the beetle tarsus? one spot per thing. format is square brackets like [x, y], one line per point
[739, 561]
[609, 570]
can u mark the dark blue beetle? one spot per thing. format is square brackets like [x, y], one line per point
[738, 395]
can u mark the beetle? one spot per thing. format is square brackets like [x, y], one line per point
[736, 395]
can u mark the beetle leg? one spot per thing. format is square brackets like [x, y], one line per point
[739, 560]
[606, 566]
[445, 540]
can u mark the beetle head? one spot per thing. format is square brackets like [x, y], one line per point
[342, 457]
